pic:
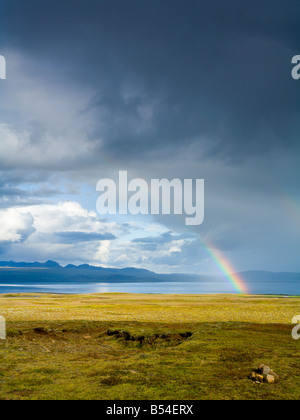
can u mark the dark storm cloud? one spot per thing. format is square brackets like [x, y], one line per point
[10, 194]
[165, 89]
[168, 75]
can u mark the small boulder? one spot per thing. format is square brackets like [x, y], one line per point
[270, 379]
[274, 374]
[266, 370]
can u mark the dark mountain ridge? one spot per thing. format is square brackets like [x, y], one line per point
[51, 271]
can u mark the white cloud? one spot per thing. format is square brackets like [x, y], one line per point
[66, 216]
[15, 226]
[103, 253]
[34, 233]
[35, 227]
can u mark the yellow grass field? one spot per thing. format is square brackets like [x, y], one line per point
[122, 346]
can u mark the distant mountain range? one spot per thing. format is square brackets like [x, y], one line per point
[12, 264]
[51, 271]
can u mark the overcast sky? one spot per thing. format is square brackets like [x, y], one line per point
[161, 88]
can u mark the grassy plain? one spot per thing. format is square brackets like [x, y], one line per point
[122, 346]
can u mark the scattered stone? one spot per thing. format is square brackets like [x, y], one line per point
[264, 374]
[270, 379]
[259, 378]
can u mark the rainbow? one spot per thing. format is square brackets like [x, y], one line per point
[224, 265]
[226, 268]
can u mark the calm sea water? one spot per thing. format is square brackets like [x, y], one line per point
[284, 288]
